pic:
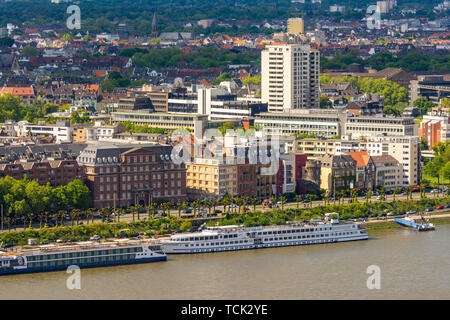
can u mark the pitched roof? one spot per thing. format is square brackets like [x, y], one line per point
[384, 159]
[362, 158]
[18, 91]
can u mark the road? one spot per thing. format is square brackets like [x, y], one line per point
[174, 212]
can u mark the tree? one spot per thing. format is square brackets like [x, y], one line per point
[223, 77]
[424, 105]
[30, 51]
[433, 168]
[325, 102]
[79, 116]
[7, 42]
[67, 37]
[255, 80]
[181, 206]
[445, 172]
[283, 201]
[186, 225]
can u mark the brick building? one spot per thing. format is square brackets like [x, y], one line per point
[57, 172]
[129, 175]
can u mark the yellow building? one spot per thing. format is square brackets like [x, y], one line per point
[315, 148]
[295, 26]
[210, 178]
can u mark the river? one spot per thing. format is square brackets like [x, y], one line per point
[413, 265]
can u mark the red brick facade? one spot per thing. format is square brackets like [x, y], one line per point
[137, 176]
[57, 172]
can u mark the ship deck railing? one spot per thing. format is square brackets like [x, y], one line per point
[77, 247]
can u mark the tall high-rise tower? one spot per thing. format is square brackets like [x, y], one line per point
[295, 26]
[155, 32]
[290, 77]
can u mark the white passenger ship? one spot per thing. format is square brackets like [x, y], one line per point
[231, 238]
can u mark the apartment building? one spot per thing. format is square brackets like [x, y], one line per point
[364, 126]
[56, 171]
[207, 178]
[406, 150]
[315, 148]
[129, 175]
[433, 88]
[388, 172]
[290, 77]
[295, 26]
[159, 119]
[435, 128]
[365, 170]
[337, 173]
[62, 131]
[323, 123]
[97, 132]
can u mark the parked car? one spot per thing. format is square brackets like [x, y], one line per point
[435, 191]
[447, 206]
[411, 212]
[95, 238]
[217, 211]
[429, 209]
[439, 207]
[188, 210]
[233, 205]
[390, 214]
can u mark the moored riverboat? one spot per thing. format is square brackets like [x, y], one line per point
[84, 255]
[232, 238]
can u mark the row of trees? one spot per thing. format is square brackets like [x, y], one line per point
[439, 167]
[396, 96]
[24, 200]
[410, 61]
[11, 108]
[206, 57]
[152, 224]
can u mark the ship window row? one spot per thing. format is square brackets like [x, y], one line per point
[83, 254]
[297, 237]
[209, 237]
[308, 236]
[292, 231]
[80, 261]
[217, 243]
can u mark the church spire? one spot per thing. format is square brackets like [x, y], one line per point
[155, 26]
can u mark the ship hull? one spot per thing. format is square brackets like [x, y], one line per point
[84, 265]
[170, 250]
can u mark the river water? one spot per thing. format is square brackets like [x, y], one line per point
[412, 265]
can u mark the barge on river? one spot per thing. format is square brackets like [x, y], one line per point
[232, 238]
[84, 255]
[411, 223]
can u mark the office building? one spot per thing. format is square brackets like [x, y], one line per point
[290, 77]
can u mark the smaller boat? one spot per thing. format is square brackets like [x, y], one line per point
[409, 222]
